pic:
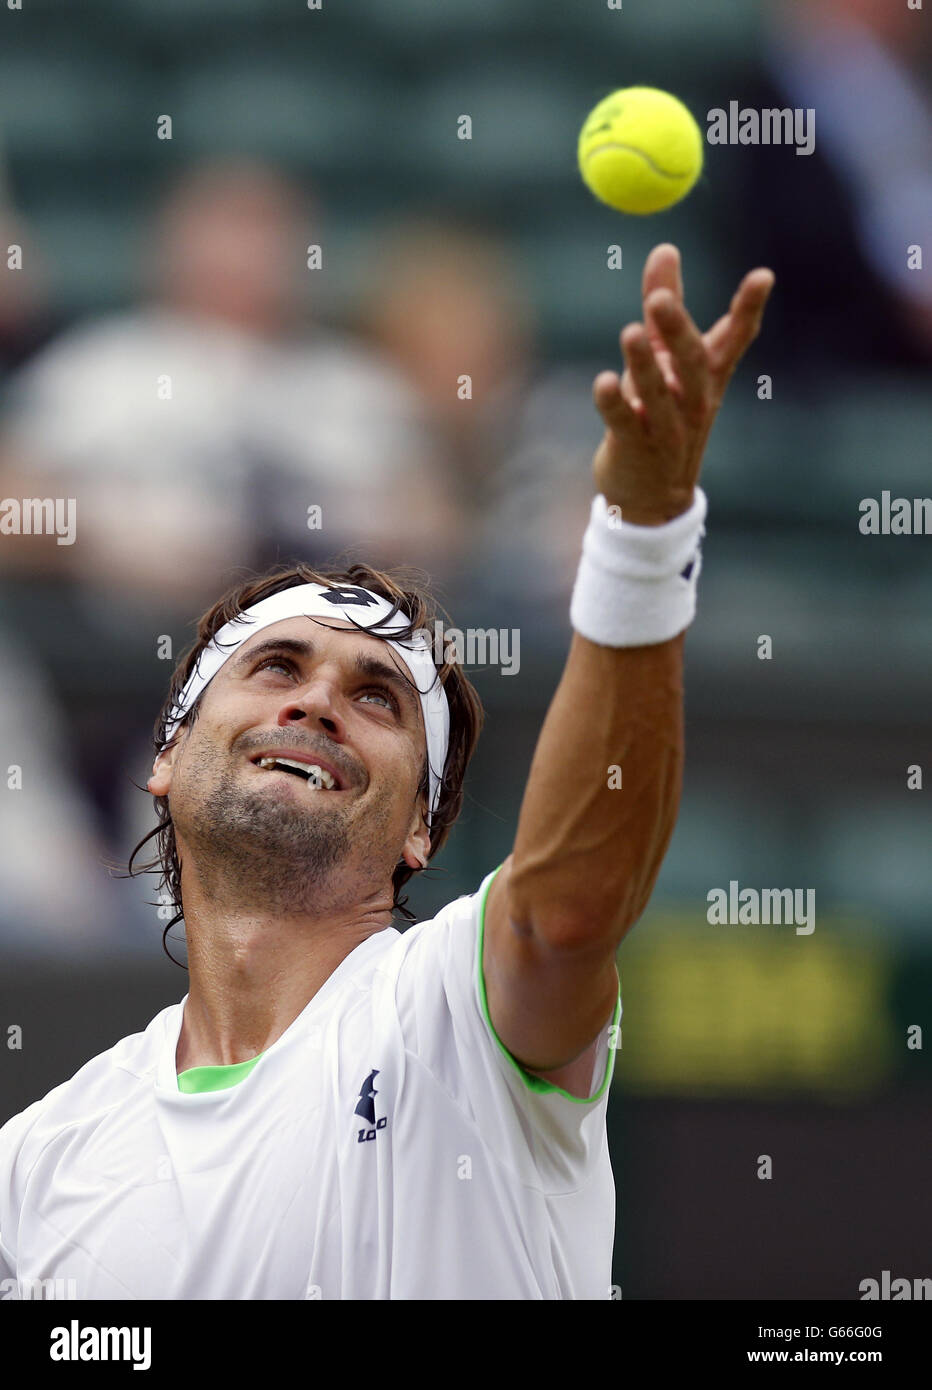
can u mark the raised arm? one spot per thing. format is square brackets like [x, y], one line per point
[591, 840]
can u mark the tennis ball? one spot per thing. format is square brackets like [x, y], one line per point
[640, 150]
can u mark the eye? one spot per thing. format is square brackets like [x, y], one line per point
[276, 661]
[386, 695]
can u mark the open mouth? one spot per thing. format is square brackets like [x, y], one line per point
[312, 773]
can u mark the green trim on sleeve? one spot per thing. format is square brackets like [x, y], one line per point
[537, 1083]
[197, 1079]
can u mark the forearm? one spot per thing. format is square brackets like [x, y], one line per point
[588, 850]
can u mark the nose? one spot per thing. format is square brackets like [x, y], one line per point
[315, 704]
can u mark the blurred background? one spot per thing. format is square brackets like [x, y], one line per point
[205, 335]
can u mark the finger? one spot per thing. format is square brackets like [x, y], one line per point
[630, 394]
[740, 324]
[618, 406]
[728, 339]
[662, 271]
[684, 342]
[647, 378]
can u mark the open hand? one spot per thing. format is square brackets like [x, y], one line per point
[659, 413]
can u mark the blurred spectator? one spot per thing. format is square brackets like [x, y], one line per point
[183, 427]
[835, 225]
[513, 443]
[27, 320]
[57, 894]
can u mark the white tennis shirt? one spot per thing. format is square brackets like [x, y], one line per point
[385, 1146]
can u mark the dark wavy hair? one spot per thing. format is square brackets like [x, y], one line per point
[410, 599]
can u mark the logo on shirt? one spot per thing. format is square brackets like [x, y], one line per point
[365, 1107]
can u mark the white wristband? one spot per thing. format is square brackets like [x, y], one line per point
[636, 585]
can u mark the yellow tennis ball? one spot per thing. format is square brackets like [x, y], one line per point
[640, 150]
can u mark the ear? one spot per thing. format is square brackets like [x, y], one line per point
[417, 845]
[161, 779]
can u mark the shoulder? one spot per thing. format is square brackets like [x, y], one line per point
[424, 980]
[439, 1000]
[98, 1086]
[447, 941]
[106, 338]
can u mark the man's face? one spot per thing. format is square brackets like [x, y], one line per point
[316, 693]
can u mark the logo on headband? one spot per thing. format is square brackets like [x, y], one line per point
[350, 595]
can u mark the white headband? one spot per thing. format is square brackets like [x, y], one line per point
[354, 604]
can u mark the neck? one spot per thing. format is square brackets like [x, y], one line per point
[252, 971]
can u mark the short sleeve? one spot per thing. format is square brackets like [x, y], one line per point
[7, 1272]
[554, 1140]
[603, 1067]
[10, 1138]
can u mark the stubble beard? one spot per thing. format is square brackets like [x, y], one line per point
[259, 847]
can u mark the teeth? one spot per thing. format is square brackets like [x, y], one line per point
[316, 776]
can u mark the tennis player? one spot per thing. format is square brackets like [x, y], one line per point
[338, 1109]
